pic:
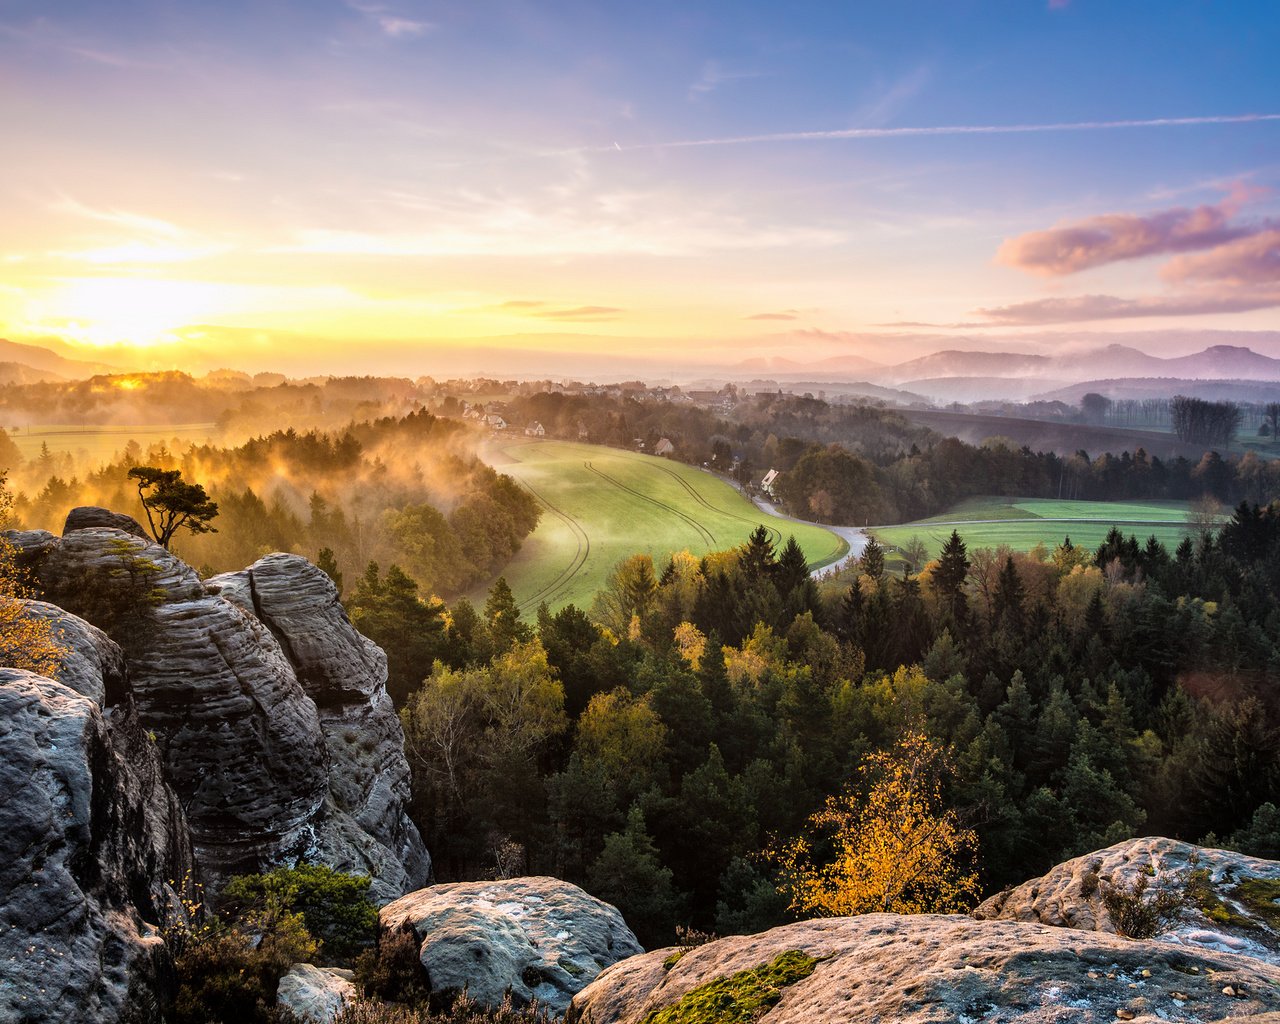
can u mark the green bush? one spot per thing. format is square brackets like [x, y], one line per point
[334, 906]
[228, 974]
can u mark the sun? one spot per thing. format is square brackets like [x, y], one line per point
[129, 311]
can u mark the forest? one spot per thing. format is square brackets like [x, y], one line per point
[407, 489]
[663, 746]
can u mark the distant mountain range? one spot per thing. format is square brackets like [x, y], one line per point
[24, 364]
[1218, 362]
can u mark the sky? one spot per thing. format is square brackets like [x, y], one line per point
[419, 187]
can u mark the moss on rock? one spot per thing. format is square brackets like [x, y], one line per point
[740, 998]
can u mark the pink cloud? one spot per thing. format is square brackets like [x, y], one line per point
[786, 314]
[1111, 237]
[1253, 260]
[1080, 308]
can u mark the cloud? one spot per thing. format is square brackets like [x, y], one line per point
[396, 26]
[1111, 237]
[1080, 308]
[580, 314]
[1252, 260]
[715, 75]
[544, 310]
[890, 102]
[835, 134]
[152, 226]
[786, 314]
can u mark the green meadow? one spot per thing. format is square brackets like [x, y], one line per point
[600, 505]
[102, 443]
[1022, 523]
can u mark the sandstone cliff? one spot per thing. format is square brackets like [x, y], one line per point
[268, 709]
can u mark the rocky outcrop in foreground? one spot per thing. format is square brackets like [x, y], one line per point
[1226, 901]
[912, 970]
[268, 708]
[90, 838]
[539, 938]
[315, 995]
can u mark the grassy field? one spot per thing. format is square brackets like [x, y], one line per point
[99, 444]
[1024, 523]
[600, 505]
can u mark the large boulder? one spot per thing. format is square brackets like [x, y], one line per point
[367, 827]
[315, 995]
[87, 517]
[537, 938]
[90, 839]
[1226, 901]
[913, 970]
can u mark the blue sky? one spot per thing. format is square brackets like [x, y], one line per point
[270, 178]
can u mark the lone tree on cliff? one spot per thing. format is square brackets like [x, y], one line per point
[172, 504]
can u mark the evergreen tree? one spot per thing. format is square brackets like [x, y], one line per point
[872, 560]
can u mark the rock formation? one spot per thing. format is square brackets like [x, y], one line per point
[90, 839]
[345, 675]
[539, 938]
[85, 517]
[315, 995]
[912, 970]
[1228, 900]
[270, 770]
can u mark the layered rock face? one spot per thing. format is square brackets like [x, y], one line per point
[1228, 900]
[268, 771]
[539, 938]
[345, 675]
[90, 839]
[882, 967]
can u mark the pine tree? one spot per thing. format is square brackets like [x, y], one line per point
[792, 568]
[949, 575]
[872, 560]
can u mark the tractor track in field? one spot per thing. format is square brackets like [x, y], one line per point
[703, 532]
[575, 564]
[775, 535]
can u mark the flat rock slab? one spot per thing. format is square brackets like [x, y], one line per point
[539, 938]
[911, 970]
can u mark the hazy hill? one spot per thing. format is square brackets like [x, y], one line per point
[20, 373]
[1166, 387]
[963, 375]
[39, 358]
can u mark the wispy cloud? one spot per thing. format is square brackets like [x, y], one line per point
[714, 75]
[1112, 237]
[1081, 308]
[152, 226]
[544, 310]
[835, 134]
[888, 103]
[580, 314]
[390, 23]
[786, 314]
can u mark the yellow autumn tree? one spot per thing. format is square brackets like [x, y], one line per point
[26, 641]
[895, 848]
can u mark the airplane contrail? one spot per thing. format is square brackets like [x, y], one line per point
[959, 129]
